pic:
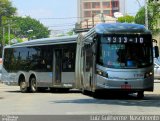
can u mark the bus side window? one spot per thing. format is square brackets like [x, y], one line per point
[68, 60]
[44, 58]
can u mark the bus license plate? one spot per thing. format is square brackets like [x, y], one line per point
[125, 86]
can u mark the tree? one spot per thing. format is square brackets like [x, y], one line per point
[154, 12]
[153, 16]
[6, 10]
[127, 18]
[29, 28]
[70, 33]
[140, 16]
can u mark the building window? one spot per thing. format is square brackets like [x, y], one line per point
[95, 12]
[115, 4]
[95, 5]
[87, 14]
[107, 12]
[106, 4]
[87, 5]
[68, 60]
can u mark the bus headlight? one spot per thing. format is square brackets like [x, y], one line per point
[148, 74]
[101, 73]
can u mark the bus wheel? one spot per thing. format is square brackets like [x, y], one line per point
[33, 85]
[23, 87]
[84, 91]
[140, 95]
[95, 94]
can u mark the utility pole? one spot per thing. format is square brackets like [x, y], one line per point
[92, 19]
[125, 11]
[146, 13]
[9, 32]
[102, 18]
[3, 36]
[139, 4]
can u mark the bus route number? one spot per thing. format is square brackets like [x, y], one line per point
[124, 40]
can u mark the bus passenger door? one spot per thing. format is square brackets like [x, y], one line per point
[68, 66]
[88, 68]
[57, 66]
[64, 67]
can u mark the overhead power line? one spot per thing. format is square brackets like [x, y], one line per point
[61, 18]
[62, 25]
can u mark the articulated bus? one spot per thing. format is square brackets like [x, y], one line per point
[41, 63]
[117, 57]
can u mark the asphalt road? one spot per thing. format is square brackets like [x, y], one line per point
[12, 101]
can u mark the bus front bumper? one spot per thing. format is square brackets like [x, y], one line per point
[145, 84]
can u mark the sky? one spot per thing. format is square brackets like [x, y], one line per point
[55, 14]
[59, 14]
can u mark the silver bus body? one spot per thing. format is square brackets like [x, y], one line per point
[45, 63]
[100, 45]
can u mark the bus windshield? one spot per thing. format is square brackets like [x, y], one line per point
[124, 54]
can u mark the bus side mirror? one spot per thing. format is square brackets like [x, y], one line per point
[156, 51]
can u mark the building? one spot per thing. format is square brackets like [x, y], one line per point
[99, 18]
[89, 8]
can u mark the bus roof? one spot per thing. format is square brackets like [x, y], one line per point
[46, 41]
[118, 28]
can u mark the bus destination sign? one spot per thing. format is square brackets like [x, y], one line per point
[123, 39]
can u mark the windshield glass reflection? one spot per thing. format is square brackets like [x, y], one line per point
[125, 55]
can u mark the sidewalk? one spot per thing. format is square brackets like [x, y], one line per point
[156, 81]
[1, 84]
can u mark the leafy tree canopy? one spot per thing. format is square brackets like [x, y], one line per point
[6, 10]
[70, 33]
[127, 18]
[153, 16]
[29, 28]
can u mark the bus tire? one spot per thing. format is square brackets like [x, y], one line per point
[23, 86]
[140, 94]
[33, 85]
[52, 89]
[95, 95]
[84, 92]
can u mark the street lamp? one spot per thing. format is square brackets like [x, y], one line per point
[29, 31]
